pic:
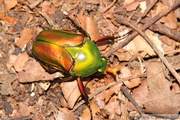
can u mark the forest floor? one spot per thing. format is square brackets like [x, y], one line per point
[144, 54]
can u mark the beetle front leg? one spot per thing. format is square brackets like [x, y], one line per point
[82, 89]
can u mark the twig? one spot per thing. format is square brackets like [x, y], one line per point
[147, 10]
[174, 34]
[129, 97]
[164, 60]
[149, 23]
[47, 18]
[108, 7]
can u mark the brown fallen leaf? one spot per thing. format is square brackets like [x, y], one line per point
[10, 4]
[176, 88]
[132, 83]
[20, 62]
[132, 6]
[33, 71]
[88, 24]
[169, 42]
[139, 94]
[123, 55]
[6, 84]
[71, 92]
[24, 109]
[65, 114]
[11, 61]
[160, 99]
[26, 36]
[7, 18]
[140, 45]
[46, 6]
[170, 21]
[125, 72]
[113, 107]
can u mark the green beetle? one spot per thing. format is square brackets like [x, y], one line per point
[66, 51]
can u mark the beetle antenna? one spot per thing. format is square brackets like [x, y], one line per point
[104, 38]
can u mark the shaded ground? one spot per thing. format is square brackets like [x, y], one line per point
[144, 53]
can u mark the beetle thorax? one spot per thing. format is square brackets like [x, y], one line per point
[87, 59]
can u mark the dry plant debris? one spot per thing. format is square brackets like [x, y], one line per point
[145, 54]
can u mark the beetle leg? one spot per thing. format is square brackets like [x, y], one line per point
[49, 69]
[113, 70]
[82, 88]
[67, 78]
[83, 92]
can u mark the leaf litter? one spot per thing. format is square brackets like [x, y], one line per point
[28, 91]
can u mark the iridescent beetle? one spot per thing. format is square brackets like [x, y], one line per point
[71, 53]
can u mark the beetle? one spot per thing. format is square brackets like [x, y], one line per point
[69, 52]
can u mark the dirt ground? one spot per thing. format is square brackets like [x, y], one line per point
[144, 57]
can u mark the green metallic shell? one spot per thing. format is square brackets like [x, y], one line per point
[87, 58]
[69, 52]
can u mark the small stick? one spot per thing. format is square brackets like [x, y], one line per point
[171, 33]
[108, 7]
[129, 97]
[147, 10]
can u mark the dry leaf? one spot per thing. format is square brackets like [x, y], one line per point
[57, 3]
[128, 1]
[143, 6]
[71, 92]
[125, 72]
[113, 107]
[45, 85]
[6, 84]
[177, 12]
[161, 99]
[33, 71]
[139, 94]
[176, 88]
[10, 4]
[86, 114]
[88, 24]
[26, 36]
[65, 115]
[169, 42]
[18, 61]
[132, 6]
[11, 61]
[123, 55]
[170, 21]
[24, 109]
[5, 17]
[140, 45]
[159, 8]
[132, 83]
[46, 6]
